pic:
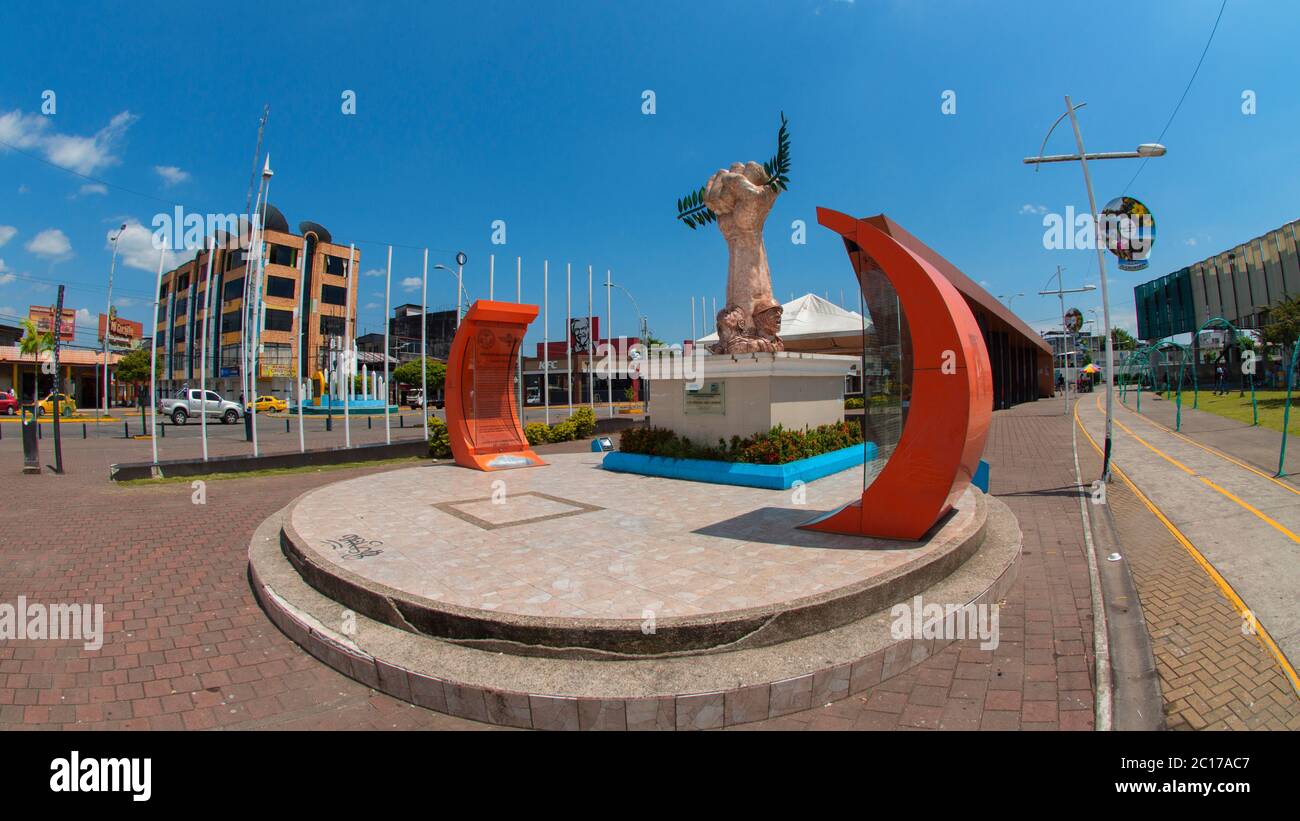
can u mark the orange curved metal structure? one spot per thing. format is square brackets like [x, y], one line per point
[951, 400]
[483, 421]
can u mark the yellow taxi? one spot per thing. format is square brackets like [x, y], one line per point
[66, 407]
[265, 404]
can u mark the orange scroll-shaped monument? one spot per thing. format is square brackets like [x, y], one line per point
[483, 421]
[951, 393]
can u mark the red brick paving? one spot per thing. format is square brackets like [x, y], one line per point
[186, 646]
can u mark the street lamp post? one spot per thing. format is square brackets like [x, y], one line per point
[108, 321]
[1008, 298]
[645, 332]
[1060, 292]
[1144, 151]
[459, 273]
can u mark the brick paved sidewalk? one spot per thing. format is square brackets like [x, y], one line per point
[1212, 675]
[187, 646]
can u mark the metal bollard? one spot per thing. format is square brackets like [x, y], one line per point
[329, 423]
[286, 424]
[83, 430]
[369, 419]
[126, 429]
[401, 421]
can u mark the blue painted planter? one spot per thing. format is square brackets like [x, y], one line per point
[770, 477]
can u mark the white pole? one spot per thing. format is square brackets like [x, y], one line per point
[568, 330]
[519, 359]
[1105, 293]
[350, 343]
[492, 276]
[460, 288]
[153, 361]
[591, 347]
[692, 319]
[388, 281]
[107, 321]
[546, 337]
[203, 352]
[424, 344]
[258, 307]
[302, 441]
[609, 335]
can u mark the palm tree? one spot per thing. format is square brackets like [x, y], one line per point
[34, 343]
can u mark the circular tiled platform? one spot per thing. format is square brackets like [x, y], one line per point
[570, 560]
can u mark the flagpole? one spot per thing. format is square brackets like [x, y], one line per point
[568, 330]
[609, 335]
[519, 357]
[546, 337]
[153, 363]
[492, 276]
[388, 281]
[424, 344]
[591, 347]
[258, 305]
[350, 345]
[203, 352]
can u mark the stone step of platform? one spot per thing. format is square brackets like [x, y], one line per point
[703, 691]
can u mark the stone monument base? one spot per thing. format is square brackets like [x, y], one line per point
[745, 394]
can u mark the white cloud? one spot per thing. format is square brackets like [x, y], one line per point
[93, 188]
[1191, 241]
[5, 276]
[84, 155]
[83, 316]
[23, 189]
[374, 272]
[51, 244]
[411, 283]
[7, 232]
[1028, 208]
[136, 247]
[171, 175]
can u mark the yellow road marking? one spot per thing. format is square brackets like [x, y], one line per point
[1240, 606]
[1208, 449]
[1261, 515]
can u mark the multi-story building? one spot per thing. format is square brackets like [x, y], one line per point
[404, 333]
[1239, 284]
[309, 304]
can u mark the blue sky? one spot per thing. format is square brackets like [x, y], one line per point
[531, 113]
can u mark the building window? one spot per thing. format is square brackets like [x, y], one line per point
[178, 333]
[234, 259]
[333, 326]
[232, 321]
[333, 295]
[335, 265]
[183, 283]
[277, 320]
[277, 353]
[234, 289]
[281, 255]
[229, 357]
[279, 287]
[181, 305]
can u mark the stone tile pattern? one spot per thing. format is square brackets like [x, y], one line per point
[187, 645]
[646, 544]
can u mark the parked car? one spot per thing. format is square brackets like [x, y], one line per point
[415, 399]
[64, 403]
[269, 403]
[8, 403]
[191, 402]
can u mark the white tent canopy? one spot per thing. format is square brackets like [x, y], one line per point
[813, 324]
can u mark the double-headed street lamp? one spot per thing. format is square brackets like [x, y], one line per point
[459, 273]
[1144, 151]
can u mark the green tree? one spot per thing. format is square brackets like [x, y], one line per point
[133, 367]
[34, 343]
[1283, 324]
[409, 373]
[1122, 340]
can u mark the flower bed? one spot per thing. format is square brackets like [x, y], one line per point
[777, 446]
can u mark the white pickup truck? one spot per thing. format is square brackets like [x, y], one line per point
[192, 401]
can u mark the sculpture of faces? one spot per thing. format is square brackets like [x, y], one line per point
[767, 320]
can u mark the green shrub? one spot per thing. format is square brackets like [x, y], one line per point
[853, 403]
[439, 442]
[578, 426]
[584, 421]
[775, 447]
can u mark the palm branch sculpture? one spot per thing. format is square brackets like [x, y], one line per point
[739, 199]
